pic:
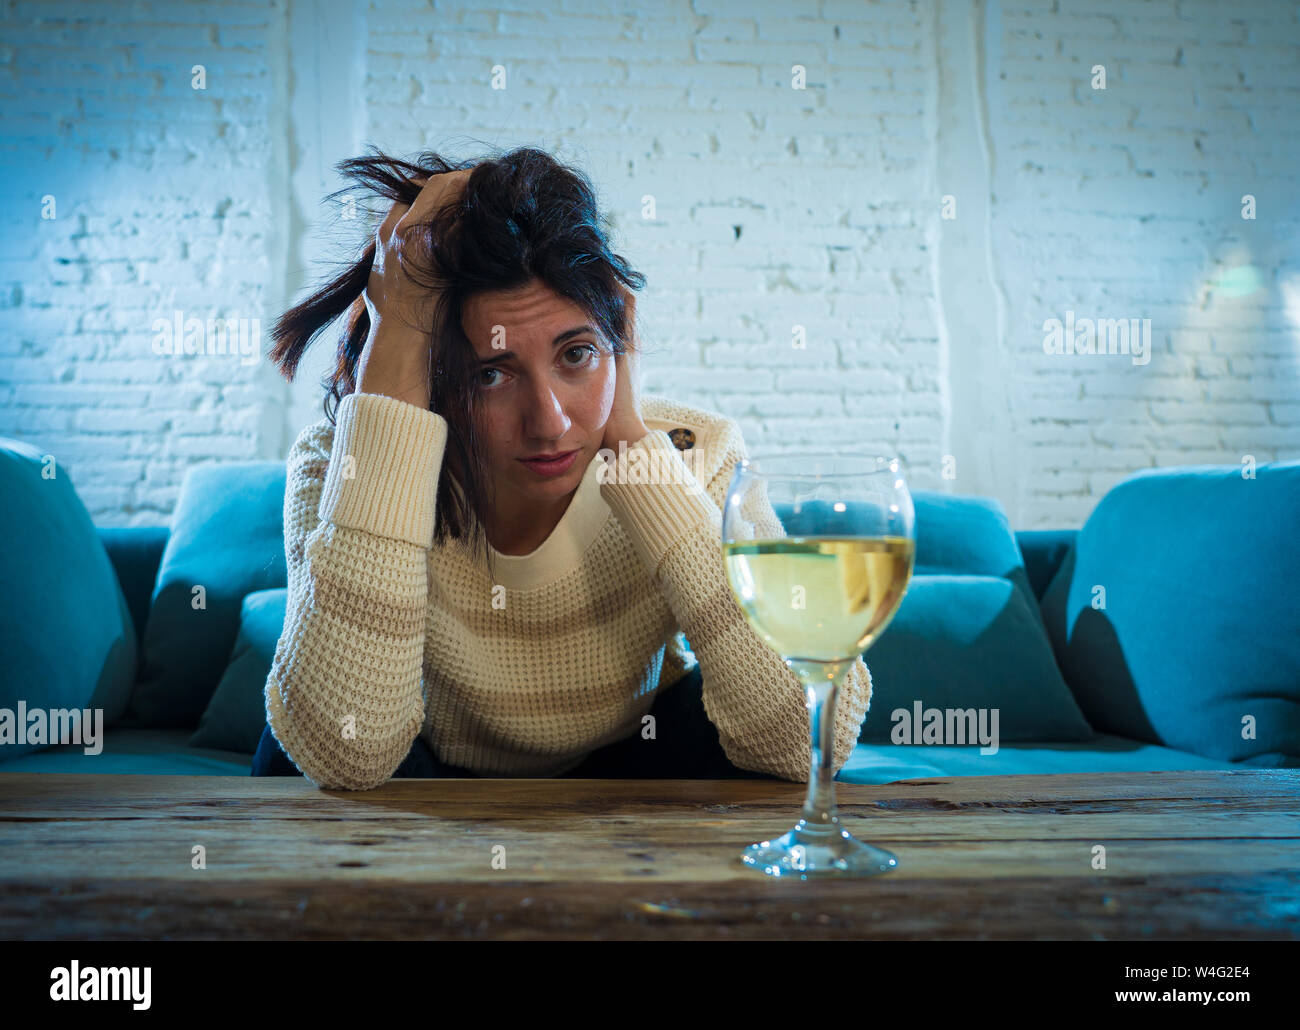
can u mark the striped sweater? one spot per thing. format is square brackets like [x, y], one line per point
[524, 673]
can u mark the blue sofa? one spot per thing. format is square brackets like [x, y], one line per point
[174, 628]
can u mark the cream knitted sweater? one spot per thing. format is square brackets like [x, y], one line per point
[387, 636]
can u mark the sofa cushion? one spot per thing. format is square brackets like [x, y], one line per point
[236, 715]
[888, 763]
[226, 541]
[960, 642]
[66, 637]
[167, 752]
[1193, 639]
[958, 534]
[142, 752]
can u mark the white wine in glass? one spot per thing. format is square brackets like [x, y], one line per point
[819, 586]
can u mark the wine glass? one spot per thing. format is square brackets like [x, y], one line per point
[819, 584]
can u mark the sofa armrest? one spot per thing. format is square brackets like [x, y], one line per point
[136, 552]
[1043, 551]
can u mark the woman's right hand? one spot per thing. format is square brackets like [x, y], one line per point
[395, 360]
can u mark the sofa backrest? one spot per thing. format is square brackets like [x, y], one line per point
[135, 553]
[65, 633]
[227, 535]
[1044, 551]
[1176, 615]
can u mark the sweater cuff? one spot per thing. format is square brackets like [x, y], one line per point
[383, 469]
[654, 495]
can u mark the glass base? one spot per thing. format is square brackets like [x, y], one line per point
[817, 850]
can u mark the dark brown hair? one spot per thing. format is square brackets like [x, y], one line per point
[522, 216]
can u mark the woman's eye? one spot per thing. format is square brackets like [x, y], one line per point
[583, 348]
[588, 352]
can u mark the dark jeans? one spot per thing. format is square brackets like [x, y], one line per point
[685, 747]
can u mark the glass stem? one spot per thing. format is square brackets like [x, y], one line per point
[821, 682]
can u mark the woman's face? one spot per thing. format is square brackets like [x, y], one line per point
[546, 385]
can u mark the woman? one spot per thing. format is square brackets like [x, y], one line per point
[458, 606]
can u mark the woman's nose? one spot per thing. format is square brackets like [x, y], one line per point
[545, 418]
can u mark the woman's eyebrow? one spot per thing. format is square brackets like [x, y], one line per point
[568, 334]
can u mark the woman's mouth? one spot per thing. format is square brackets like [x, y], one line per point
[552, 467]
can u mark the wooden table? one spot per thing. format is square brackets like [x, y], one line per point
[1204, 855]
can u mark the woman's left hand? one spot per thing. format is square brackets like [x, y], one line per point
[624, 421]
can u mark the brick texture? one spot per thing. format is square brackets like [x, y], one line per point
[802, 275]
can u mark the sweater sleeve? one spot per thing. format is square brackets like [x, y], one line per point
[754, 699]
[345, 694]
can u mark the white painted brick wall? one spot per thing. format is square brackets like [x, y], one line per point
[165, 200]
[1126, 203]
[776, 207]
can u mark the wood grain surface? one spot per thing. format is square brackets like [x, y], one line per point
[1204, 855]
